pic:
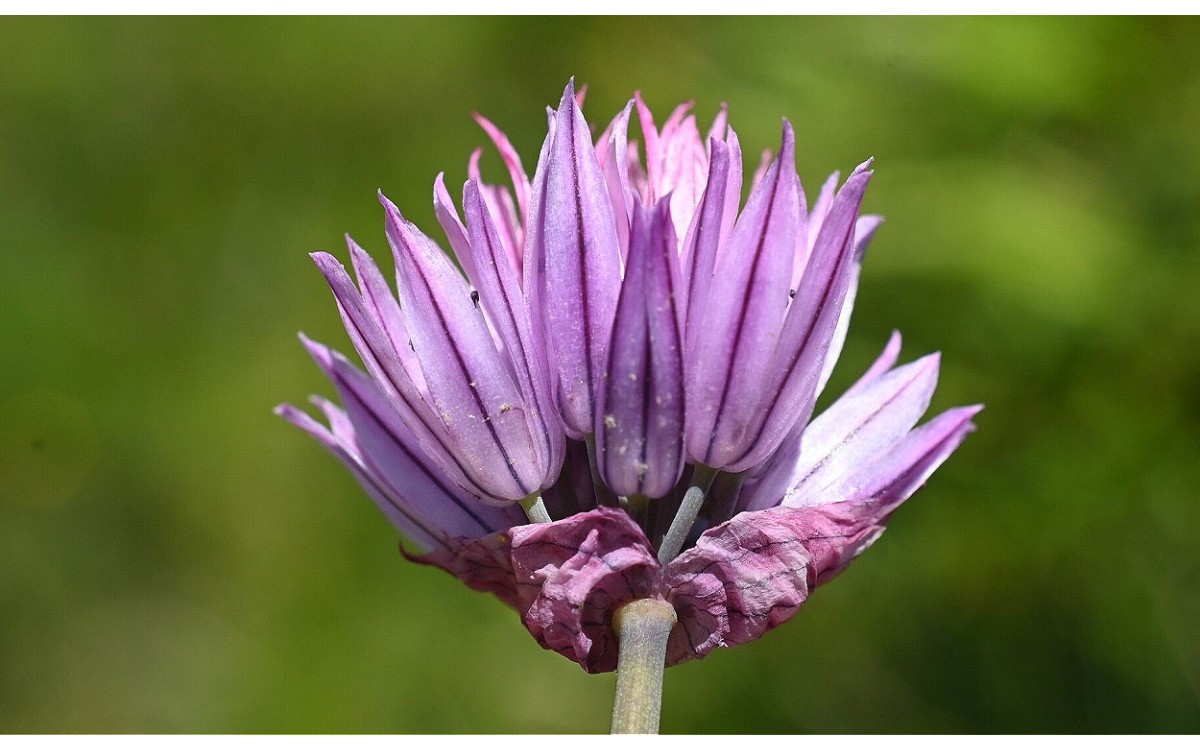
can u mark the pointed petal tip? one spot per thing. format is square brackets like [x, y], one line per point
[789, 134]
[855, 186]
[962, 417]
[931, 361]
[473, 162]
[318, 351]
[970, 411]
[326, 262]
[386, 202]
[359, 257]
[470, 190]
[715, 145]
[392, 217]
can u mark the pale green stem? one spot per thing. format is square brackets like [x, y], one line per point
[535, 509]
[643, 627]
[693, 499]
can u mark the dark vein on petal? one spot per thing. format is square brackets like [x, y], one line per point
[737, 341]
[581, 240]
[677, 338]
[647, 375]
[747, 552]
[512, 318]
[415, 458]
[377, 306]
[857, 429]
[695, 255]
[462, 368]
[795, 358]
[438, 536]
[400, 392]
[920, 460]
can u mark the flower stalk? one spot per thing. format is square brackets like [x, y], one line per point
[535, 509]
[693, 500]
[643, 627]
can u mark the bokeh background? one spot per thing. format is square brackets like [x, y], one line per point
[173, 558]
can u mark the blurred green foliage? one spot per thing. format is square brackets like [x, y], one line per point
[174, 558]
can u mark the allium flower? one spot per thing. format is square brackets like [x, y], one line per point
[634, 357]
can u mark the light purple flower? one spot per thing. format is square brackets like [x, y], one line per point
[621, 331]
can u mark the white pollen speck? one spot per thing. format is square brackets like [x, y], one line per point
[610, 421]
[633, 376]
[505, 408]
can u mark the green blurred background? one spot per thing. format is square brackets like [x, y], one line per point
[175, 558]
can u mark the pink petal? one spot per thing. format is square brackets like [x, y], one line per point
[512, 160]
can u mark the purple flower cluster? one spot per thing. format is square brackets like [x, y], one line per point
[628, 349]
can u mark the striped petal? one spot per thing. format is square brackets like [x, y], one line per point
[572, 263]
[736, 333]
[771, 481]
[500, 292]
[857, 428]
[639, 419]
[456, 233]
[864, 231]
[895, 475]
[704, 235]
[470, 387]
[812, 319]
[381, 353]
[403, 479]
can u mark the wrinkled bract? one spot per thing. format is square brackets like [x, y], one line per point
[623, 327]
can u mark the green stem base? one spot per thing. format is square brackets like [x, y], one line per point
[643, 627]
